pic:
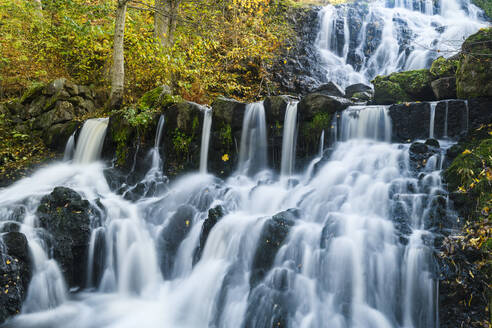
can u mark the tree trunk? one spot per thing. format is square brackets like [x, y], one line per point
[39, 8]
[165, 19]
[118, 70]
[161, 21]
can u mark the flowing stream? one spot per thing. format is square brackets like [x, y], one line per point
[344, 261]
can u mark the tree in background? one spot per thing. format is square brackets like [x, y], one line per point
[118, 69]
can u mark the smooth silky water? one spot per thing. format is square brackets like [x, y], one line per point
[344, 262]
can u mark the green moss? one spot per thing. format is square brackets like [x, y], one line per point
[312, 129]
[181, 143]
[157, 98]
[120, 137]
[387, 92]
[225, 136]
[34, 90]
[442, 67]
[412, 82]
[474, 73]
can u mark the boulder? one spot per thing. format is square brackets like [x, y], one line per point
[353, 89]
[214, 215]
[63, 112]
[66, 217]
[72, 88]
[403, 86]
[15, 273]
[57, 135]
[275, 107]
[410, 121]
[329, 89]
[315, 103]
[54, 87]
[442, 67]
[273, 234]
[444, 88]
[174, 232]
[474, 74]
[229, 111]
[36, 107]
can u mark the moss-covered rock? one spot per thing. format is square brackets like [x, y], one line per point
[158, 97]
[486, 6]
[34, 91]
[474, 74]
[387, 92]
[403, 86]
[442, 67]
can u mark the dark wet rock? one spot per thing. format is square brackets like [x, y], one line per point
[15, 273]
[275, 107]
[329, 89]
[273, 234]
[419, 155]
[174, 232]
[57, 135]
[444, 88]
[298, 68]
[227, 116]
[314, 103]
[214, 215]
[9, 226]
[432, 143]
[63, 112]
[351, 90]
[66, 217]
[457, 118]
[410, 121]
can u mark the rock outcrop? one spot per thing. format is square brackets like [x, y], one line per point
[66, 217]
[15, 272]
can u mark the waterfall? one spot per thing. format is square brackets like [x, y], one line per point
[432, 118]
[253, 149]
[156, 157]
[322, 143]
[69, 148]
[446, 109]
[357, 42]
[371, 122]
[289, 139]
[90, 141]
[207, 124]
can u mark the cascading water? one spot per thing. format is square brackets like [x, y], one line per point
[371, 122]
[346, 247]
[253, 149]
[432, 118]
[289, 139]
[69, 148]
[360, 41]
[207, 124]
[90, 141]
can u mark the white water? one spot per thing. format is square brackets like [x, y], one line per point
[432, 118]
[90, 140]
[253, 149]
[342, 263]
[69, 148]
[366, 122]
[289, 139]
[207, 124]
[390, 54]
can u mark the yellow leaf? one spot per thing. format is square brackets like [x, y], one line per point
[225, 157]
[466, 152]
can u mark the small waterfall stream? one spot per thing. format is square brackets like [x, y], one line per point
[90, 141]
[207, 125]
[253, 149]
[289, 139]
